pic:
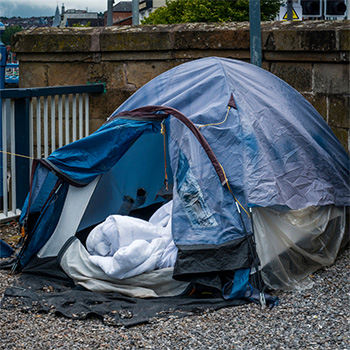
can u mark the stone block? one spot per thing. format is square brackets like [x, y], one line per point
[339, 111]
[301, 40]
[98, 107]
[305, 56]
[212, 36]
[71, 73]
[60, 57]
[319, 102]
[322, 40]
[139, 38]
[138, 74]
[266, 65]
[95, 123]
[282, 41]
[110, 73]
[317, 36]
[298, 75]
[33, 74]
[53, 40]
[331, 78]
[115, 98]
[188, 55]
[122, 56]
[343, 137]
[344, 39]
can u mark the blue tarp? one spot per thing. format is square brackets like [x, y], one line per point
[96, 154]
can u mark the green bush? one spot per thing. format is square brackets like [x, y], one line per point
[191, 11]
[8, 32]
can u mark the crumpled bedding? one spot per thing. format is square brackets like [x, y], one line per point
[124, 246]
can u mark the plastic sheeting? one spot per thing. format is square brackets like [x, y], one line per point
[293, 244]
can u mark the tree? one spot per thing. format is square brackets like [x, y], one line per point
[88, 24]
[8, 32]
[190, 11]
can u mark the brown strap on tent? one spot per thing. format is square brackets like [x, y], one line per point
[163, 132]
[150, 113]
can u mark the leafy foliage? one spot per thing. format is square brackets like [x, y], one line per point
[88, 24]
[190, 11]
[8, 32]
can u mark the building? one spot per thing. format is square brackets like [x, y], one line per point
[72, 17]
[148, 6]
[27, 23]
[57, 18]
[122, 13]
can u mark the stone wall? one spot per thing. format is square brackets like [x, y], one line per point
[312, 56]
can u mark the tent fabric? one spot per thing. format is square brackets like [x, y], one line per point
[83, 160]
[43, 183]
[48, 219]
[69, 219]
[275, 148]
[5, 250]
[220, 137]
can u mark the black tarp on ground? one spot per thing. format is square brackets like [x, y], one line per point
[42, 295]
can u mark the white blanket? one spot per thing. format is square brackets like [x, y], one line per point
[124, 246]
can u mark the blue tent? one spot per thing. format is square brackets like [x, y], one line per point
[223, 139]
[5, 250]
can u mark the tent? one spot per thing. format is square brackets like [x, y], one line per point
[257, 180]
[5, 250]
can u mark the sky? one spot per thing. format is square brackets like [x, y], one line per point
[37, 8]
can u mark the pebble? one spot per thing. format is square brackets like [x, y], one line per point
[316, 318]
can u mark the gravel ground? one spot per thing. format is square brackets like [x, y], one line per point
[316, 318]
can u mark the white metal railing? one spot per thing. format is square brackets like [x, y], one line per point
[9, 205]
[57, 121]
[54, 120]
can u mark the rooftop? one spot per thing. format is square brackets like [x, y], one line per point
[123, 6]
